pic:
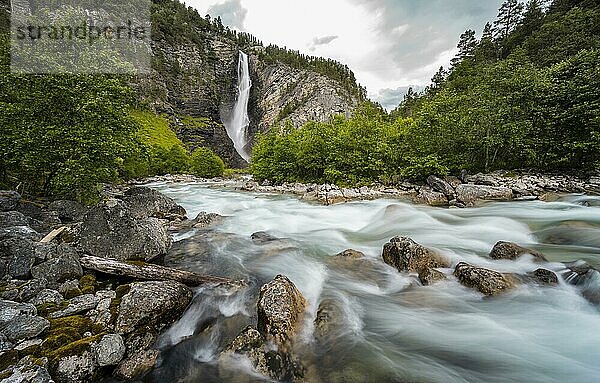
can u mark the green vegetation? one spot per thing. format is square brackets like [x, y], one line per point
[204, 163]
[526, 95]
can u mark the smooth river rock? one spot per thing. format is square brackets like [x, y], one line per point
[487, 282]
[408, 256]
[509, 250]
[470, 194]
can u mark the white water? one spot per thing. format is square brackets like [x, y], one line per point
[238, 122]
[395, 330]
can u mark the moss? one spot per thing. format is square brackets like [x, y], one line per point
[55, 342]
[76, 324]
[72, 293]
[121, 291]
[47, 308]
[8, 358]
[87, 284]
[74, 348]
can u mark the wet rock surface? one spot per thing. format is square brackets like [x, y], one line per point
[508, 250]
[429, 276]
[487, 282]
[408, 256]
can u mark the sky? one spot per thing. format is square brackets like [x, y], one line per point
[389, 44]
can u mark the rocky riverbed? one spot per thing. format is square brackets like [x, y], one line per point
[63, 320]
[464, 191]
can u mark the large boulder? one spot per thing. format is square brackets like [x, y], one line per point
[406, 255]
[153, 305]
[441, 186]
[12, 219]
[470, 194]
[281, 308]
[110, 231]
[431, 197]
[487, 282]
[59, 268]
[278, 365]
[9, 200]
[144, 202]
[68, 211]
[25, 327]
[509, 250]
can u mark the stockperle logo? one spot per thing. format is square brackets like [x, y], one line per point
[80, 36]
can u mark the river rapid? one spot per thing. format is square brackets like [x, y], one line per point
[391, 329]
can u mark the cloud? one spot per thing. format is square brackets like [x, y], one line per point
[391, 98]
[232, 13]
[325, 40]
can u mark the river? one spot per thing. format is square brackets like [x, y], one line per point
[393, 329]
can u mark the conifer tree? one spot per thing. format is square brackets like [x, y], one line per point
[509, 16]
[466, 47]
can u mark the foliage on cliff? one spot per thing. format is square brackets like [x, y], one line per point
[526, 95]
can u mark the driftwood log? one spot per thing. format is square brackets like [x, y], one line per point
[146, 271]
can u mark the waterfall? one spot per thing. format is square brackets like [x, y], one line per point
[238, 122]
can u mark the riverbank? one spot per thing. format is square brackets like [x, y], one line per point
[464, 191]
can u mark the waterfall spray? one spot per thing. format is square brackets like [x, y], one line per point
[238, 123]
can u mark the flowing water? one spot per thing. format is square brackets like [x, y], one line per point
[391, 328]
[239, 121]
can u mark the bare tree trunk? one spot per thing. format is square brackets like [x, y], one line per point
[146, 271]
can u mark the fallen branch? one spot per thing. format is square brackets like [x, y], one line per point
[146, 271]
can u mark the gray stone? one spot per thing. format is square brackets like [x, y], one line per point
[544, 277]
[152, 304]
[76, 368]
[281, 308]
[430, 276]
[68, 211]
[10, 310]
[19, 232]
[487, 282]
[144, 202]
[28, 343]
[9, 200]
[111, 231]
[47, 296]
[109, 351]
[28, 370]
[77, 305]
[441, 186]
[59, 269]
[137, 364]
[205, 220]
[351, 254]
[430, 197]
[11, 219]
[262, 237]
[24, 327]
[22, 291]
[471, 194]
[406, 255]
[509, 250]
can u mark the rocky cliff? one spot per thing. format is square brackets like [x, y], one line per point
[194, 80]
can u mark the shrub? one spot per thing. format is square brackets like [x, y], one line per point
[206, 164]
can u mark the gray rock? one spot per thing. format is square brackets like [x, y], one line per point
[152, 304]
[76, 368]
[19, 232]
[28, 370]
[47, 296]
[60, 268]
[77, 305]
[205, 220]
[487, 282]
[68, 211]
[23, 290]
[23, 253]
[262, 237]
[9, 200]
[11, 219]
[28, 343]
[111, 231]
[276, 364]
[109, 351]
[406, 255]
[471, 194]
[10, 310]
[441, 186]
[137, 364]
[586, 278]
[509, 250]
[351, 254]
[40, 218]
[144, 202]
[281, 308]
[25, 327]
[430, 276]
[430, 197]
[544, 277]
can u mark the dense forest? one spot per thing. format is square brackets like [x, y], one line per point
[525, 95]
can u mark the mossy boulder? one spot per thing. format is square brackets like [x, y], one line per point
[408, 256]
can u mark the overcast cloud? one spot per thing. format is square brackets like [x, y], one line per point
[389, 44]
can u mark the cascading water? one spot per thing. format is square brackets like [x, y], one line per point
[237, 124]
[390, 329]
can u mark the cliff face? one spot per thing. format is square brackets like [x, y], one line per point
[194, 81]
